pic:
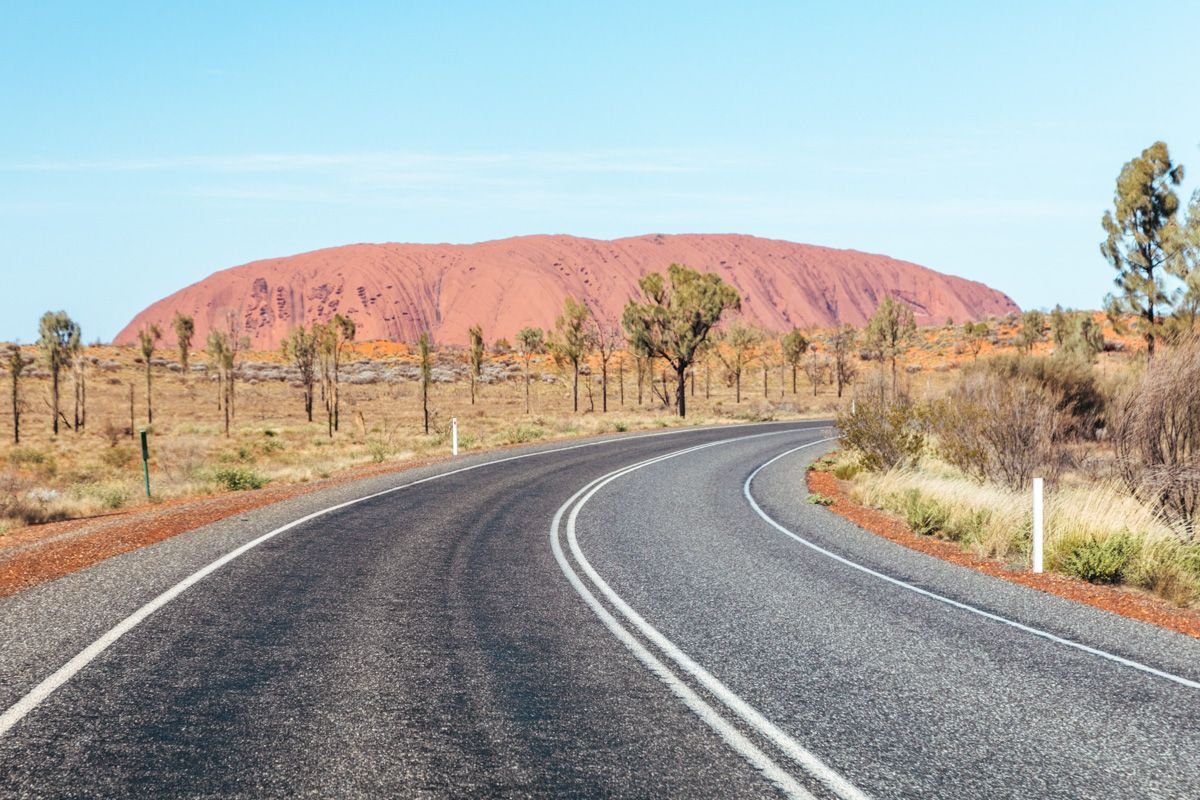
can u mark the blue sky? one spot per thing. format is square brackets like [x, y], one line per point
[146, 145]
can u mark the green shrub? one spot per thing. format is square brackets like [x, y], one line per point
[519, 434]
[1105, 561]
[117, 457]
[818, 499]
[26, 457]
[885, 433]
[967, 527]
[1072, 382]
[925, 516]
[845, 470]
[1163, 567]
[379, 451]
[113, 497]
[236, 479]
[1189, 558]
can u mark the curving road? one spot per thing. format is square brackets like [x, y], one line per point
[647, 616]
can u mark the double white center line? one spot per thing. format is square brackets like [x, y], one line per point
[734, 705]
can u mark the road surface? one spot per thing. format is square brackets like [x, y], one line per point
[649, 616]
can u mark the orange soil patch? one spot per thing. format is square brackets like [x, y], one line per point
[1125, 601]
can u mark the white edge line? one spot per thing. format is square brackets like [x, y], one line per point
[38, 694]
[707, 714]
[1125, 662]
[793, 749]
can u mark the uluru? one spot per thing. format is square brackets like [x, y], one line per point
[394, 291]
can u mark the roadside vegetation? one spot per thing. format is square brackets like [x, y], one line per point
[1111, 423]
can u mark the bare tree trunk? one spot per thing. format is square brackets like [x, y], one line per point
[707, 379]
[82, 399]
[766, 369]
[149, 399]
[526, 383]
[575, 387]
[337, 399]
[54, 396]
[604, 386]
[640, 378]
[621, 378]
[132, 422]
[425, 403]
[16, 405]
[737, 382]
[793, 378]
[75, 388]
[681, 387]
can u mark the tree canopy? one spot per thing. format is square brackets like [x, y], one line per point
[676, 316]
[1144, 239]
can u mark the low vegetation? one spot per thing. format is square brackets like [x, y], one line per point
[1122, 463]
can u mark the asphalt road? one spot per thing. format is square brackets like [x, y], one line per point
[594, 621]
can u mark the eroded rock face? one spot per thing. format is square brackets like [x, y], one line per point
[394, 291]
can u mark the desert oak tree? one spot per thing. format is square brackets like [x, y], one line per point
[59, 339]
[674, 321]
[1144, 241]
[148, 337]
[889, 333]
[185, 329]
[573, 339]
[531, 341]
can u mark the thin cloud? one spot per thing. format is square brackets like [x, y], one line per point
[625, 161]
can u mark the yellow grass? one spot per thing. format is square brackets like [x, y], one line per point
[994, 522]
[98, 469]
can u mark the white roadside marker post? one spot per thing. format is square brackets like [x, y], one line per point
[454, 436]
[1038, 532]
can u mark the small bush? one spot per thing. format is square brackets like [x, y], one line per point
[924, 515]
[969, 526]
[519, 434]
[845, 470]
[885, 433]
[237, 479]
[113, 497]
[818, 499]
[1156, 436]
[999, 429]
[1102, 561]
[117, 457]
[1163, 567]
[379, 451]
[26, 457]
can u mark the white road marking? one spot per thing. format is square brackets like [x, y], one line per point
[1125, 662]
[751, 716]
[39, 693]
[731, 735]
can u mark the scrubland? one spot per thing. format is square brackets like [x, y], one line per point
[1117, 442]
[98, 469]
